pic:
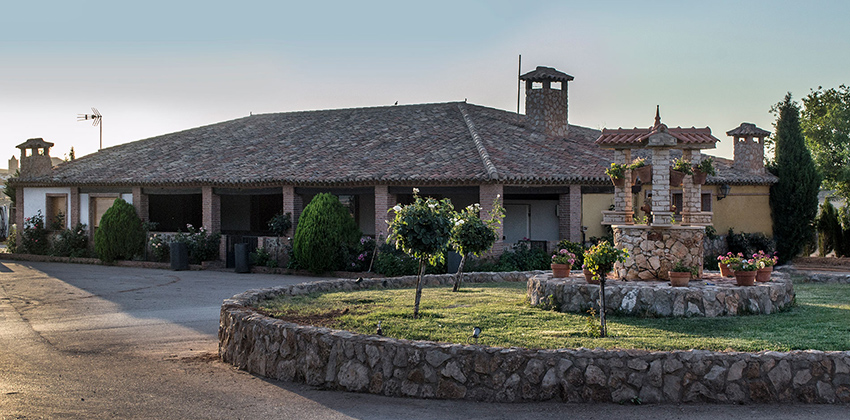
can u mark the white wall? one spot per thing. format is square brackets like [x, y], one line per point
[35, 200]
[84, 210]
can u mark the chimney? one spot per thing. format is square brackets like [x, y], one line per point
[546, 104]
[35, 158]
[749, 147]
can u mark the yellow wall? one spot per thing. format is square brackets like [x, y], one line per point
[745, 209]
[592, 206]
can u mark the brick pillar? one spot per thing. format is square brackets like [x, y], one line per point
[384, 201]
[661, 187]
[575, 213]
[297, 208]
[140, 202]
[564, 216]
[75, 206]
[289, 206]
[487, 194]
[211, 209]
[19, 215]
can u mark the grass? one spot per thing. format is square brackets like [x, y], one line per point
[820, 320]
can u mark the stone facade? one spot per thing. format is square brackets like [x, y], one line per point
[749, 154]
[653, 252]
[342, 360]
[711, 296]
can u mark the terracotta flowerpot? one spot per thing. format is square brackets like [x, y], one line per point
[678, 279]
[619, 182]
[699, 177]
[745, 278]
[560, 270]
[763, 274]
[725, 271]
[588, 276]
[676, 178]
[644, 173]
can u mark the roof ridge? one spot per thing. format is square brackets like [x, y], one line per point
[492, 173]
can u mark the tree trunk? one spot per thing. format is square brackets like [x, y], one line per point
[603, 331]
[418, 288]
[459, 275]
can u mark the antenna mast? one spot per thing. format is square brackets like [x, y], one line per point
[97, 120]
[518, 82]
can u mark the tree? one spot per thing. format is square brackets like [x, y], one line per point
[422, 230]
[794, 198]
[826, 124]
[471, 235]
[325, 229]
[120, 235]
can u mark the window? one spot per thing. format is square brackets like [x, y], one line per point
[706, 201]
[57, 211]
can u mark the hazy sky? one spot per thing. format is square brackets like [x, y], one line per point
[156, 67]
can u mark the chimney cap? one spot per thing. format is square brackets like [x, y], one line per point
[543, 74]
[747, 130]
[35, 143]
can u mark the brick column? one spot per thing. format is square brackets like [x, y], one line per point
[19, 215]
[564, 214]
[289, 206]
[74, 217]
[575, 213]
[211, 209]
[140, 202]
[384, 201]
[487, 194]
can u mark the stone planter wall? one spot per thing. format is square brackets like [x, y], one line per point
[654, 250]
[711, 296]
[365, 363]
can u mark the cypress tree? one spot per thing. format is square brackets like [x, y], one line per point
[794, 199]
[324, 229]
[120, 235]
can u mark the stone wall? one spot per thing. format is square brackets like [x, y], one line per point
[341, 360]
[711, 296]
[653, 251]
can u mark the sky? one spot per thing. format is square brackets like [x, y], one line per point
[157, 67]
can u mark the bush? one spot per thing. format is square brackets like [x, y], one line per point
[34, 238]
[262, 257]
[280, 223]
[392, 262]
[12, 240]
[749, 243]
[574, 247]
[522, 257]
[832, 236]
[72, 242]
[159, 248]
[120, 235]
[324, 233]
[359, 255]
[202, 245]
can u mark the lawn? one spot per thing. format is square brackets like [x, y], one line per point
[820, 320]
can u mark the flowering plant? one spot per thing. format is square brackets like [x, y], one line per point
[564, 256]
[766, 259]
[683, 165]
[638, 163]
[616, 171]
[739, 263]
[724, 259]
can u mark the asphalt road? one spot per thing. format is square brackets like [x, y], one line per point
[90, 342]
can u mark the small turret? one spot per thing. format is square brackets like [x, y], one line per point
[546, 101]
[35, 158]
[749, 147]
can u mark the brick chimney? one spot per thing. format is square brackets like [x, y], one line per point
[749, 147]
[546, 104]
[35, 158]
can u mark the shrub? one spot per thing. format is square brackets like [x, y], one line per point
[325, 230]
[262, 257]
[832, 236]
[359, 255]
[280, 223]
[72, 242]
[393, 262]
[159, 248]
[120, 235]
[749, 243]
[12, 240]
[34, 238]
[522, 257]
[576, 248]
[202, 245]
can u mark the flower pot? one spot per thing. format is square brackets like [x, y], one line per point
[763, 274]
[725, 271]
[678, 279]
[644, 173]
[676, 178]
[588, 276]
[745, 278]
[699, 177]
[560, 270]
[619, 182]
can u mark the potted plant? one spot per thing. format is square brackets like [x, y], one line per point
[767, 262]
[641, 170]
[723, 263]
[617, 172]
[745, 269]
[562, 262]
[681, 274]
[681, 167]
[703, 169]
[600, 260]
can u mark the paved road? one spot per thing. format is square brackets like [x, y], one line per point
[88, 342]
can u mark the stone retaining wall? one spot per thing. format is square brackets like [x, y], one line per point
[710, 296]
[365, 363]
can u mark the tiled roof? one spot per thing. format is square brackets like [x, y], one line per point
[442, 143]
[542, 74]
[640, 136]
[35, 143]
[748, 129]
[726, 173]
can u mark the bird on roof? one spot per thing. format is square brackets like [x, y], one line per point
[396, 103]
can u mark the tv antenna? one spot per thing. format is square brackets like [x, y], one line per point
[97, 120]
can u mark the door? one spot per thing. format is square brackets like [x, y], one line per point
[517, 222]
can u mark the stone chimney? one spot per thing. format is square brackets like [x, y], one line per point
[546, 104]
[749, 147]
[13, 165]
[35, 158]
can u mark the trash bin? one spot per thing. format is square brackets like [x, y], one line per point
[240, 253]
[179, 256]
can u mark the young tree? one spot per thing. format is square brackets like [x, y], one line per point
[794, 199]
[471, 235]
[826, 124]
[120, 235]
[324, 229]
[422, 230]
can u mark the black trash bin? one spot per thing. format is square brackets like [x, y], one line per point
[240, 253]
[179, 256]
